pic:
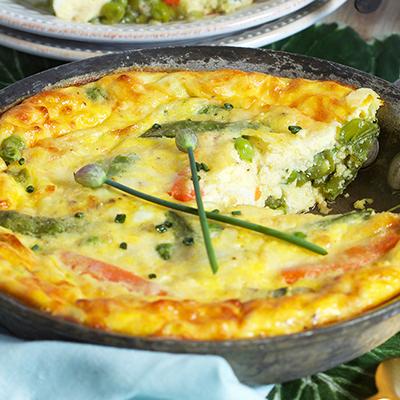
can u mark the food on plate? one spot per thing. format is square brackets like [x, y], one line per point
[142, 11]
[268, 149]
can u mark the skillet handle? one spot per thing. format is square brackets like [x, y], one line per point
[367, 6]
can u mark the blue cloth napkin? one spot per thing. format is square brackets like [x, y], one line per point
[56, 370]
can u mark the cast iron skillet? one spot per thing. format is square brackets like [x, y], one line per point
[255, 361]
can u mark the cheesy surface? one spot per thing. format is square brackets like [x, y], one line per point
[115, 262]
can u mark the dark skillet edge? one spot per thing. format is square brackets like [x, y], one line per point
[376, 315]
[255, 361]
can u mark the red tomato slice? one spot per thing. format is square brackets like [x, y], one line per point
[172, 2]
[351, 258]
[108, 272]
[182, 188]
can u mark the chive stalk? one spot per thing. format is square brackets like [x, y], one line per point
[202, 214]
[287, 237]
[186, 141]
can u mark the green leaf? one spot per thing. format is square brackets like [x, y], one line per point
[344, 45]
[15, 65]
[351, 381]
[387, 64]
[303, 41]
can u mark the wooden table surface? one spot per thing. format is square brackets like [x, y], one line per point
[384, 21]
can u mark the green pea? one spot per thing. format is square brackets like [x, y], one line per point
[130, 15]
[142, 19]
[162, 12]
[11, 149]
[245, 149]
[113, 12]
[134, 4]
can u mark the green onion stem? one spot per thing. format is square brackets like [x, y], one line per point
[287, 237]
[202, 214]
[396, 207]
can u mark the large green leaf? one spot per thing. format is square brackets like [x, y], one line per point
[351, 381]
[344, 45]
[15, 65]
[387, 63]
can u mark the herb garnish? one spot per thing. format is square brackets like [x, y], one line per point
[123, 245]
[187, 141]
[214, 215]
[30, 189]
[120, 218]
[162, 228]
[202, 167]
[294, 129]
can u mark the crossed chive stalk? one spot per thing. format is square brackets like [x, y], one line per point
[94, 176]
[186, 141]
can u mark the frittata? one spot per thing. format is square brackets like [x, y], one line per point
[270, 148]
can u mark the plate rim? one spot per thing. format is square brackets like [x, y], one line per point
[253, 15]
[259, 36]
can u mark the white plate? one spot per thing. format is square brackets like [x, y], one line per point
[20, 15]
[256, 37]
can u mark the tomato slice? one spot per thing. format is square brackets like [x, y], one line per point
[172, 2]
[108, 272]
[350, 259]
[182, 188]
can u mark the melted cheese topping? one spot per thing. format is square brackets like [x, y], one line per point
[264, 286]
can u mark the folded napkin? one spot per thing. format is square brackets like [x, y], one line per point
[56, 370]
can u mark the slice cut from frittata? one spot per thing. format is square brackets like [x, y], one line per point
[285, 144]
